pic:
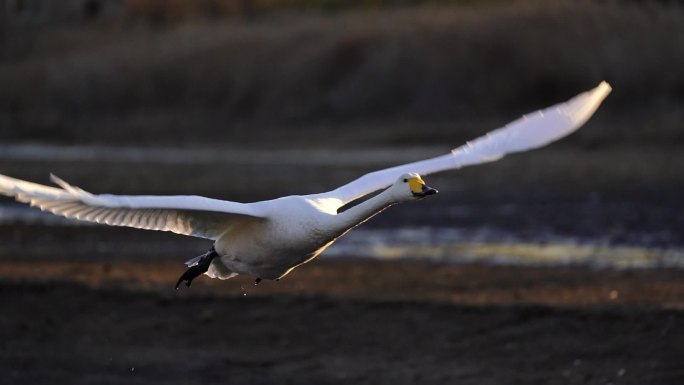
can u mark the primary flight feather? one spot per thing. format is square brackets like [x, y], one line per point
[268, 239]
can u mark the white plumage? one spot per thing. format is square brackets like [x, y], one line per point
[268, 239]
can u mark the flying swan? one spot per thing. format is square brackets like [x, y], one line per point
[268, 239]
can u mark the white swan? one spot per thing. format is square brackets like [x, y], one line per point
[270, 238]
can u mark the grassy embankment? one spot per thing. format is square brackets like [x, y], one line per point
[417, 75]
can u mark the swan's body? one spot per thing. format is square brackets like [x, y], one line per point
[268, 239]
[298, 229]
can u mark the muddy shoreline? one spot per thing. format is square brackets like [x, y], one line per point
[337, 322]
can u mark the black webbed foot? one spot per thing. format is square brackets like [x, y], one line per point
[200, 268]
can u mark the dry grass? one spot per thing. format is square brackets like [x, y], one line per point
[174, 11]
[309, 76]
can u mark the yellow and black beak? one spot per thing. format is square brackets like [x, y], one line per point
[420, 189]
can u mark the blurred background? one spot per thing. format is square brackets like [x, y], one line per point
[254, 99]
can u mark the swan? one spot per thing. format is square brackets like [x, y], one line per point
[268, 239]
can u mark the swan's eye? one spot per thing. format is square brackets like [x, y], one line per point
[405, 180]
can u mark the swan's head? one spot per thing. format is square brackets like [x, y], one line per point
[411, 186]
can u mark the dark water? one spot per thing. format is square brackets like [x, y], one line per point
[507, 234]
[544, 221]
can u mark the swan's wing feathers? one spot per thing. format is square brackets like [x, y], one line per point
[539, 128]
[531, 131]
[187, 215]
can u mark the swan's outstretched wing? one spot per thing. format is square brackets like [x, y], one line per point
[187, 215]
[531, 131]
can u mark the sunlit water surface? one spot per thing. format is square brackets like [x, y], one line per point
[593, 233]
[481, 244]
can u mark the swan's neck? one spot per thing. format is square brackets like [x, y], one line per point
[364, 211]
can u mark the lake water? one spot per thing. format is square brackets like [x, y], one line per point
[479, 244]
[585, 230]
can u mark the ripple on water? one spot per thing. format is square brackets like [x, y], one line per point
[479, 244]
